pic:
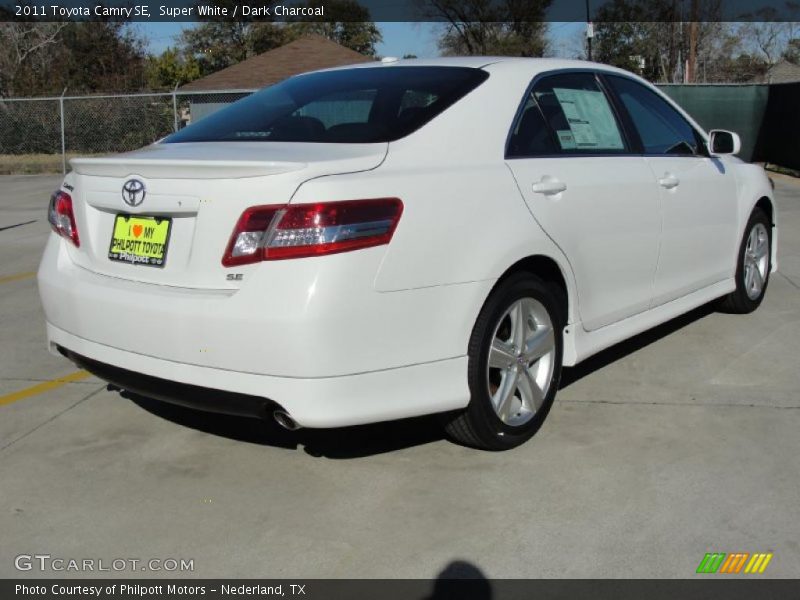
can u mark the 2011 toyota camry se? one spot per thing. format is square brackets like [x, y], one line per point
[402, 238]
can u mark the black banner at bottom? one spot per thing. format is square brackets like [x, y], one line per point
[404, 589]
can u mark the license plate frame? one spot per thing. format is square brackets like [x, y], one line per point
[138, 256]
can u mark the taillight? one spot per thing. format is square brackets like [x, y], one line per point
[62, 218]
[247, 242]
[301, 230]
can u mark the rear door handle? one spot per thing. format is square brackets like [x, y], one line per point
[549, 186]
[669, 181]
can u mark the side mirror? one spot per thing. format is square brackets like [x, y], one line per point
[723, 143]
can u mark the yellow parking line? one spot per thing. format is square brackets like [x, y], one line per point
[43, 387]
[17, 277]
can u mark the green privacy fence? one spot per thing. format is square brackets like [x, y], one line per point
[780, 139]
[766, 117]
[739, 108]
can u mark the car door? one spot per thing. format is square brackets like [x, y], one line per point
[594, 198]
[697, 194]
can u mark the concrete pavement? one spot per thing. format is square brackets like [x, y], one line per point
[680, 442]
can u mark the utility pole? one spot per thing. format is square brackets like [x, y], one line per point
[589, 32]
[691, 64]
[63, 134]
[175, 107]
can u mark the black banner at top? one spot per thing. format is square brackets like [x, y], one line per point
[400, 10]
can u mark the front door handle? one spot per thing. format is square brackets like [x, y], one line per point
[549, 186]
[669, 181]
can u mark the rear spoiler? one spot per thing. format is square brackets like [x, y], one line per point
[180, 168]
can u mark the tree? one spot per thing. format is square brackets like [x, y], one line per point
[792, 51]
[22, 46]
[100, 56]
[171, 68]
[219, 44]
[44, 58]
[346, 22]
[499, 27]
[641, 36]
[649, 38]
[742, 68]
[767, 35]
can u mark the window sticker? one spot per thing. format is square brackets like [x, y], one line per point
[590, 119]
[566, 138]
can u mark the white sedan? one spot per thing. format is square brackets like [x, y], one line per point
[402, 238]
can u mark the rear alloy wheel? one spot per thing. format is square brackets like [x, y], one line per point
[753, 266]
[514, 365]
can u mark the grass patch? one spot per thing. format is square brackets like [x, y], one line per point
[34, 164]
[30, 164]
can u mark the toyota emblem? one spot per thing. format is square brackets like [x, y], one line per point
[133, 192]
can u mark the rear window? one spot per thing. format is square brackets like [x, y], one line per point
[352, 106]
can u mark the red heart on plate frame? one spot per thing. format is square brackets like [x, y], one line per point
[137, 230]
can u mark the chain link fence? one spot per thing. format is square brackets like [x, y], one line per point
[40, 134]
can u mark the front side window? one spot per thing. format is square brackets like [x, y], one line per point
[567, 114]
[662, 129]
[362, 105]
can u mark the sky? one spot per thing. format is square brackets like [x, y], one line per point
[398, 38]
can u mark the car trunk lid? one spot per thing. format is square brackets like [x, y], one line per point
[194, 193]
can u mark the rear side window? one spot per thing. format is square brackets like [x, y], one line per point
[531, 135]
[567, 114]
[362, 105]
[662, 129]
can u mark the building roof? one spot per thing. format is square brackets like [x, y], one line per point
[783, 72]
[309, 53]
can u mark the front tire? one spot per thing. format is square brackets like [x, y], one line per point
[514, 365]
[753, 266]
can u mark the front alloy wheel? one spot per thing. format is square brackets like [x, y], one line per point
[756, 261]
[753, 265]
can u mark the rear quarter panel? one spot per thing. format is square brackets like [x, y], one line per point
[464, 219]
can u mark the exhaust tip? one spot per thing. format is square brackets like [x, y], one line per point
[283, 419]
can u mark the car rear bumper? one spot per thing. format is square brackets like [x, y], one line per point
[309, 318]
[312, 336]
[182, 394]
[311, 402]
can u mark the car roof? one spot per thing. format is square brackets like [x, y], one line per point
[526, 65]
[526, 68]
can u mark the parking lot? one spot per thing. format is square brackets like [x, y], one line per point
[682, 441]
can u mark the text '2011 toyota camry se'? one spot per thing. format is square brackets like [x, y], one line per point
[405, 238]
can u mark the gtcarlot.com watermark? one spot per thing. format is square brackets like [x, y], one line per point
[47, 563]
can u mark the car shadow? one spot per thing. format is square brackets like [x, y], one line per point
[340, 443]
[604, 358]
[369, 440]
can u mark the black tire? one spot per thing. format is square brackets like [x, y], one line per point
[738, 301]
[479, 426]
